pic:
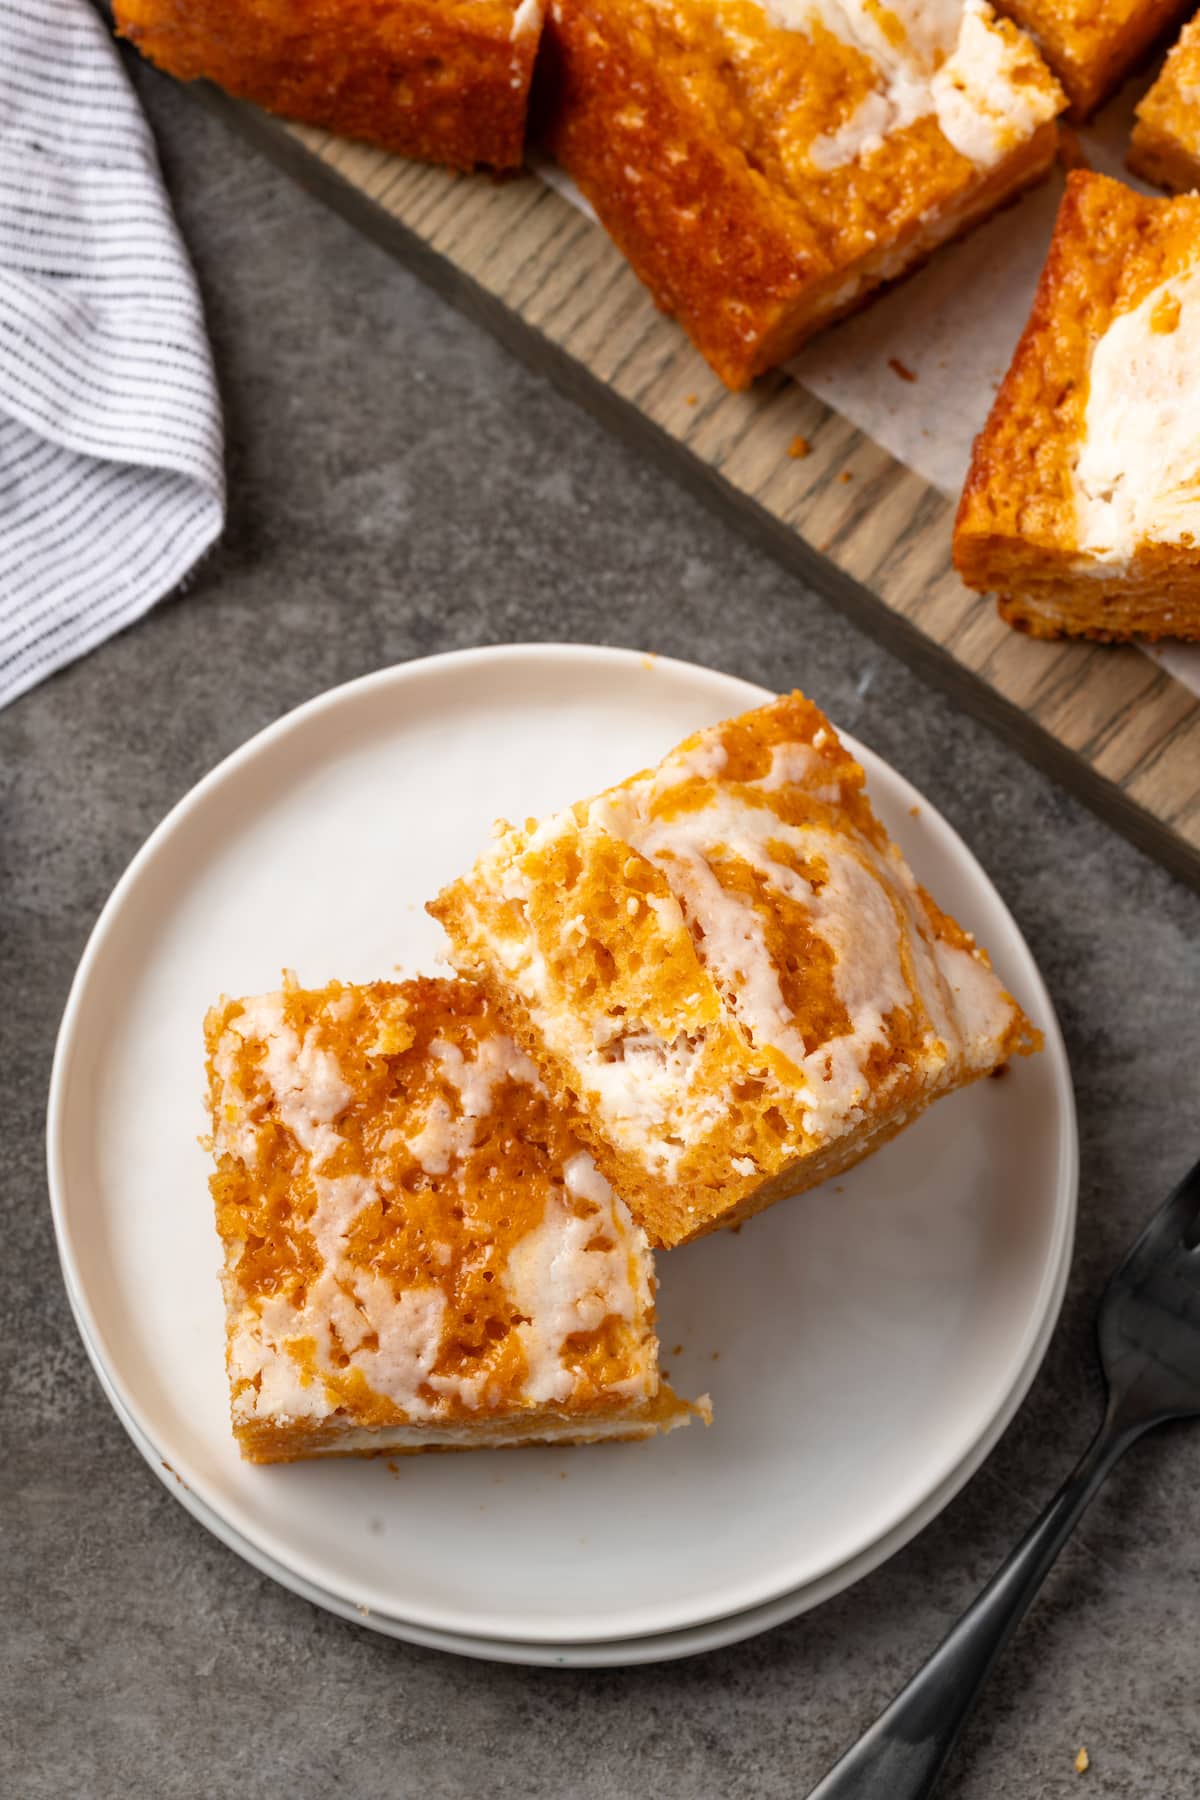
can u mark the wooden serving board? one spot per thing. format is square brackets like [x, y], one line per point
[1106, 721]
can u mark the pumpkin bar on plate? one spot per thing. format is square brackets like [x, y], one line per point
[418, 1253]
[1092, 45]
[443, 80]
[766, 164]
[727, 972]
[1081, 510]
[1165, 147]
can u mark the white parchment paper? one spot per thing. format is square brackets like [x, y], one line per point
[953, 325]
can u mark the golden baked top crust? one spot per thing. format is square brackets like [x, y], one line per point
[412, 1234]
[443, 80]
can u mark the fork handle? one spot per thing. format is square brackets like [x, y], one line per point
[902, 1754]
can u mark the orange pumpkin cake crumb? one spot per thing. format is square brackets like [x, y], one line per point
[1081, 509]
[1092, 45]
[766, 164]
[726, 970]
[418, 1252]
[1165, 146]
[446, 81]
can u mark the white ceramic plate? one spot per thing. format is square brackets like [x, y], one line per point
[862, 1345]
[666, 1646]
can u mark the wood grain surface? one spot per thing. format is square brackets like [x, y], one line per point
[869, 534]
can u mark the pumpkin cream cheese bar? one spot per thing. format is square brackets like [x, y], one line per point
[1092, 45]
[418, 1252]
[1081, 510]
[766, 164]
[446, 81]
[727, 973]
[1165, 146]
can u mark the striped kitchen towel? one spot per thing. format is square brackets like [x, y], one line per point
[111, 476]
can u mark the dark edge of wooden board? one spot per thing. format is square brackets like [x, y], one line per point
[786, 546]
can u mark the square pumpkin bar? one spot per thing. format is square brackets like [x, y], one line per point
[446, 81]
[727, 972]
[1081, 510]
[766, 164]
[1092, 45]
[418, 1252]
[1165, 147]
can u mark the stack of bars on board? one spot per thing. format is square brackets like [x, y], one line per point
[768, 165]
[706, 989]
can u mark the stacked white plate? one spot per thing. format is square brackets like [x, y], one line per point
[864, 1345]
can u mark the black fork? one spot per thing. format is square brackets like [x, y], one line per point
[1148, 1330]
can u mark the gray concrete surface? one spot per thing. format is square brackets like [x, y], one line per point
[398, 486]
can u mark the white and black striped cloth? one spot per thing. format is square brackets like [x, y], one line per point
[111, 477]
